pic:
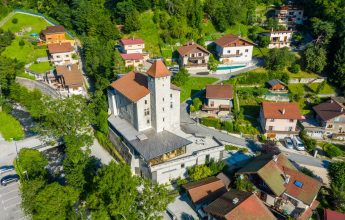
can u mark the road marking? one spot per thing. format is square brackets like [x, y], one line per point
[15, 190]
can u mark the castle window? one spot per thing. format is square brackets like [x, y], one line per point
[148, 121]
[171, 105]
[170, 95]
[147, 111]
[145, 102]
[163, 119]
[163, 109]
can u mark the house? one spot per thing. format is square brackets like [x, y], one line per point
[218, 98]
[289, 15]
[282, 186]
[275, 85]
[71, 79]
[238, 205]
[279, 39]
[330, 215]
[330, 116]
[54, 34]
[279, 119]
[193, 56]
[204, 191]
[234, 49]
[132, 45]
[61, 53]
[144, 125]
[132, 59]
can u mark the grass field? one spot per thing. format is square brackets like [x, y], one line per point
[27, 53]
[10, 127]
[303, 74]
[195, 84]
[26, 21]
[328, 89]
[41, 67]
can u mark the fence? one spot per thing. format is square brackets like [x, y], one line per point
[307, 80]
[44, 88]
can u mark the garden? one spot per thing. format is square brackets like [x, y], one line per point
[41, 67]
[10, 128]
[194, 85]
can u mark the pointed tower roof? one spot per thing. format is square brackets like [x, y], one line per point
[158, 69]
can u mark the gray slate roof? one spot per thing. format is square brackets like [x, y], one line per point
[274, 82]
[158, 144]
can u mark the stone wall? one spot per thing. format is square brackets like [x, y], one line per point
[44, 88]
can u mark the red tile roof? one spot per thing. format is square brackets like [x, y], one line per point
[186, 49]
[130, 41]
[228, 39]
[329, 109]
[206, 189]
[333, 215]
[281, 110]
[132, 56]
[54, 29]
[219, 91]
[158, 69]
[60, 48]
[248, 207]
[133, 85]
[71, 74]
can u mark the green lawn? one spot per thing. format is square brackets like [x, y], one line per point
[26, 75]
[36, 24]
[27, 53]
[41, 67]
[303, 74]
[260, 52]
[195, 84]
[10, 127]
[328, 89]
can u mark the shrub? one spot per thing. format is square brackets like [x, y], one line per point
[231, 147]
[262, 137]
[242, 183]
[263, 41]
[332, 150]
[310, 144]
[21, 43]
[295, 68]
[192, 108]
[199, 172]
[270, 147]
[14, 20]
[197, 104]
[211, 122]
[216, 167]
[181, 77]
[228, 126]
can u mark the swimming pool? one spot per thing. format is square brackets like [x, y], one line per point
[229, 67]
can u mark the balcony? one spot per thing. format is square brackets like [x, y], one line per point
[231, 55]
[168, 156]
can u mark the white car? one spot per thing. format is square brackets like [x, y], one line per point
[298, 144]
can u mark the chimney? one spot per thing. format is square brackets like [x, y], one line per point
[287, 178]
[275, 158]
[69, 67]
[283, 111]
[235, 201]
[331, 100]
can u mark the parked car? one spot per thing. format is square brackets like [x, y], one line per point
[7, 168]
[9, 179]
[298, 144]
[288, 143]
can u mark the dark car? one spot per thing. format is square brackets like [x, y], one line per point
[4, 169]
[9, 179]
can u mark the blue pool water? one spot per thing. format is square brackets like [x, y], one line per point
[229, 67]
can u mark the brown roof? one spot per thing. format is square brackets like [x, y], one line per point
[281, 110]
[333, 215]
[205, 190]
[247, 207]
[158, 69]
[132, 56]
[228, 39]
[60, 48]
[130, 41]
[219, 91]
[329, 109]
[54, 29]
[71, 75]
[133, 85]
[309, 189]
[187, 48]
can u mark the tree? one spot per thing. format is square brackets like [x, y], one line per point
[272, 24]
[315, 58]
[295, 68]
[9, 68]
[119, 64]
[55, 202]
[152, 200]
[29, 191]
[21, 43]
[243, 183]
[263, 41]
[181, 77]
[197, 104]
[278, 59]
[323, 31]
[33, 163]
[198, 172]
[270, 147]
[338, 75]
[336, 172]
[14, 20]
[70, 117]
[114, 199]
[213, 63]
[132, 22]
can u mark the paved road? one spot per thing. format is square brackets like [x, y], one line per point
[10, 202]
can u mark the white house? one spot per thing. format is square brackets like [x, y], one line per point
[61, 53]
[218, 98]
[132, 45]
[144, 125]
[193, 56]
[279, 119]
[289, 15]
[71, 80]
[279, 39]
[234, 49]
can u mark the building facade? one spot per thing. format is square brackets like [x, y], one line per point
[193, 56]
[61, 53]
[144, 125]
[133, 59]
[289, 15]
[218, 98]
[233, 49]
[132, 45]
[279, 119]
[279, 39]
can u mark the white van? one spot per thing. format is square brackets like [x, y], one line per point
[298, 144]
